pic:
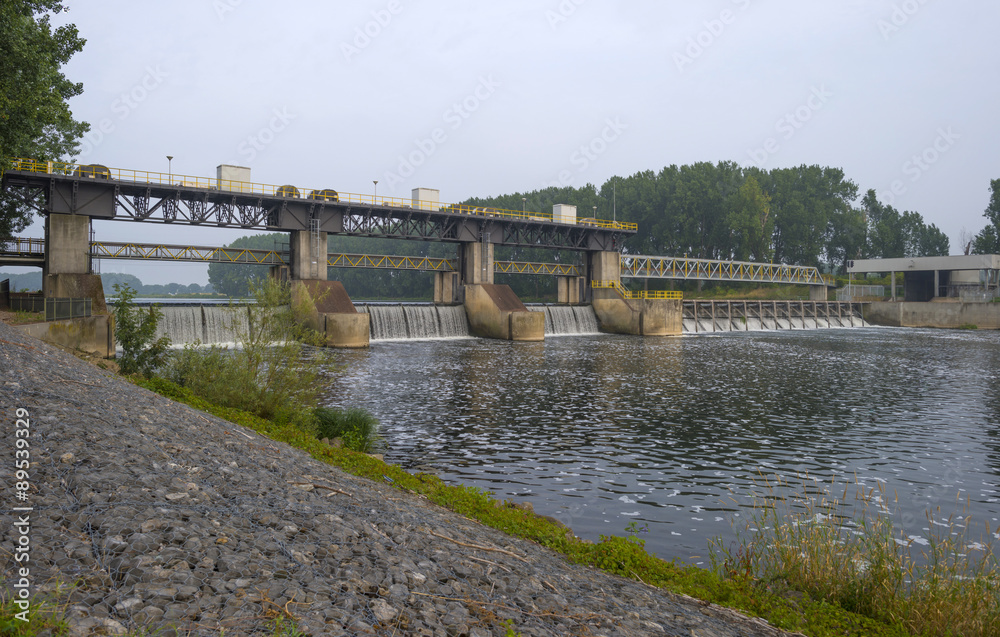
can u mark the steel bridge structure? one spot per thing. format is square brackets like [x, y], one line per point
[131, 195]
[683, 268]
[31, 251]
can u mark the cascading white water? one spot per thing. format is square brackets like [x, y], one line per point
[208, 324]
[563, 320]
[399, 322]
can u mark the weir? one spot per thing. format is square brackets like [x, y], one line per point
[737, 316]
[561, 320]
[208, 324]
[396, 321]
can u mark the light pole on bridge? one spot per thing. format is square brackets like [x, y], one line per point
[170, 172]
[375, 196]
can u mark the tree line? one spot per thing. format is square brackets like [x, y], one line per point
[805, 215]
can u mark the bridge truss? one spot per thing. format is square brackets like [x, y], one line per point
[651, 267]
[130, 195]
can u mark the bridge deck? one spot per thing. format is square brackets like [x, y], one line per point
[121, 194]
[683, 268]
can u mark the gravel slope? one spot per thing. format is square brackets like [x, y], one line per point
[167, 518]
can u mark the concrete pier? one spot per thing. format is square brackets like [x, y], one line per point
[327, 308]
[66, 272]
[618, 315]
[494, 311]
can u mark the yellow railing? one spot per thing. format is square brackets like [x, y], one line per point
[638, 294]
[249, 188]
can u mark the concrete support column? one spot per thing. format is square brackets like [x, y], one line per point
[892, 285]
[446, 288]
[570, 289]
[308, 255]
[817, 292]
[477, 263]
[67, 244]
[937, 284]
[604, 266]
[66, 272]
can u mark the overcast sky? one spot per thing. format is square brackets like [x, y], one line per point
[480, 99]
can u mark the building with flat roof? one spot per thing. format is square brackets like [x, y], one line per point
[973, 277]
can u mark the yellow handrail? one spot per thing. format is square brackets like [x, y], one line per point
[94, 171]
[636, 295]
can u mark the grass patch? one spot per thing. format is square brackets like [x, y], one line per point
[42, 617]
[25, 318]
[625, 556]
[849, 554]
[355, 426]
[968, 326]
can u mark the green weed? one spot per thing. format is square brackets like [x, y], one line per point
[849, 554]
[356, 427]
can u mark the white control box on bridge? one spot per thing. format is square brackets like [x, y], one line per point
[564, 213]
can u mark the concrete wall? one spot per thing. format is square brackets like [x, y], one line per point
[494, 311]
[347, 330]
[985, 316]
[94, 334]
[67, 244]
[649, 317]
[325, 307]
[76, 286]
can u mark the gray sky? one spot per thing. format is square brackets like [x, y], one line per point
[480, 99]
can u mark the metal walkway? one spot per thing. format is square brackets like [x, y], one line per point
[133, 195]
[683, 268]
[27, 251]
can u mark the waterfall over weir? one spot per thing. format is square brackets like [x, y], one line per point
[392, 322]
[564, 320]
[210, 324]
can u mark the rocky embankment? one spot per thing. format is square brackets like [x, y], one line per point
[146, 515]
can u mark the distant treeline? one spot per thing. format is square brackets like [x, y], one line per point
[32, 281]
[807, 215]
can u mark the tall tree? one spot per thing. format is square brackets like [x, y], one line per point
[751, 223]
[988, 239]
[35, 119]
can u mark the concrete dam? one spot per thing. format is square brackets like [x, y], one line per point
[218, 324]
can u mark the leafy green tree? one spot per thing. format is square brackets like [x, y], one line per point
[751, 223]
[135, 331]
[235, 279]
[35, 119]
[988, 239]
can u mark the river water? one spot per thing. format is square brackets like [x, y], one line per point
[672, 433]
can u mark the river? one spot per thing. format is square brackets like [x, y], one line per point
[673, 433]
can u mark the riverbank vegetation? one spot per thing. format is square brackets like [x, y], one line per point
[770, 572]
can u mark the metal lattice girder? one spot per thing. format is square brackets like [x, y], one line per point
[527, 267]
[57, 188]
[387, 262]
[160, 252]
[651, 267]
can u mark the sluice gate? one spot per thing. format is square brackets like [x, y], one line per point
[731, 316]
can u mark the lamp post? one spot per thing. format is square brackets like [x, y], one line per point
[170, 178]
[375, 196]
[595, 213]
[524, 203]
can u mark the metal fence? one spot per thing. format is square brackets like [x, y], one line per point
[20, 302]
[851, 292]
[57, 309]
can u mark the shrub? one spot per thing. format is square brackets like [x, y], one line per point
[355, 426]
[135, 331]
[269, 373]
[852, 556]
